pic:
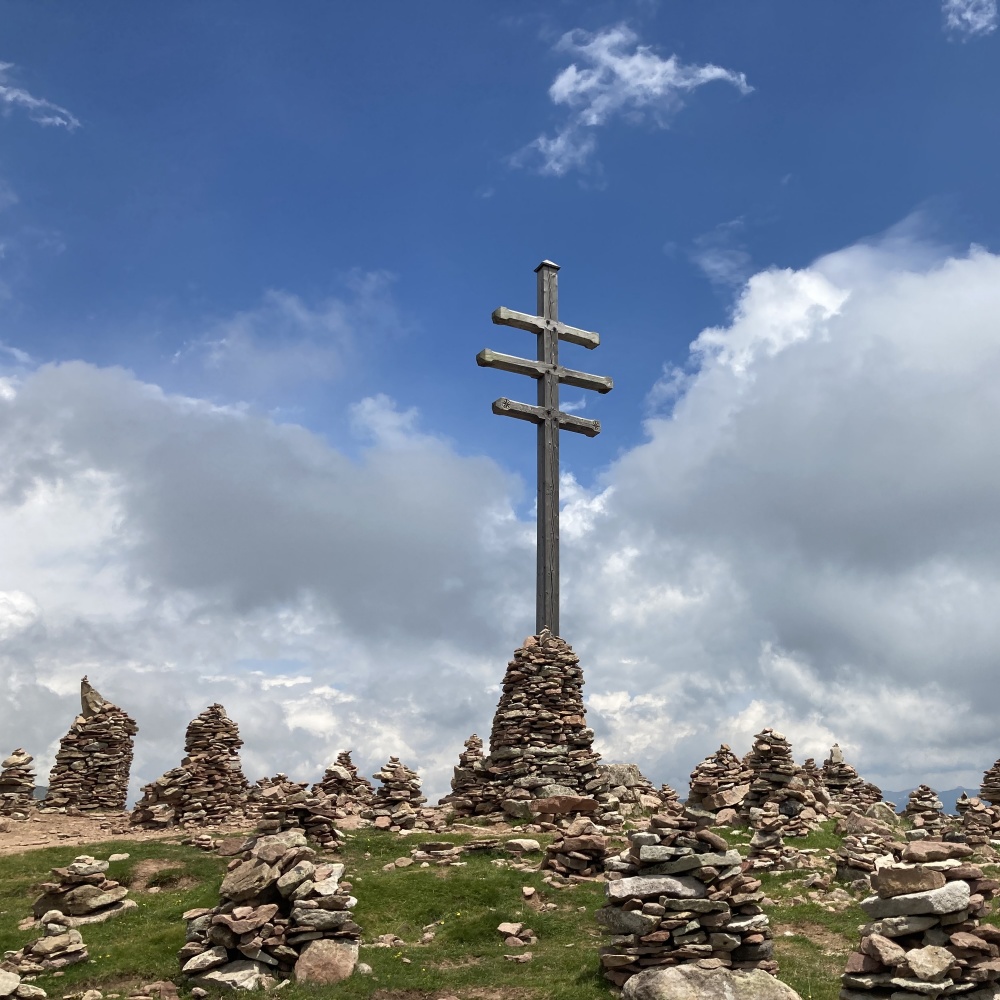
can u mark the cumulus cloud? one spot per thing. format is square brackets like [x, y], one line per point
[967, 19]
[37, 108]
[807, 538]
[613, 76]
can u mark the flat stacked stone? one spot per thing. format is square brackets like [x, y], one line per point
[846, 786]
[924, 938]
[282, 912]
[678, 895]
[859, 854]
[208, 788]
[92, 765]
[17, 784]
[469, 794]
[342, 783]
[282, 804]
[83, 893]
[577, 852]
[925, 810]
[398, 798]
[719, 784]
[990, 788]
[540, 746]
[633, 790]
[59, 946]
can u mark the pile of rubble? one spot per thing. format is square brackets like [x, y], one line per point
[578, 852]
[83, 893]
[94, 758]
[466, 797]
[342, 783]
[397, 801]
[678, 895]
[281, 804]
[633, 790]
[925, 810]
[846, 786]
[540, 746]
[59, 946]
[208, 788]
[17, 784]
[924, 937]
[281, 912]
[990, 788]
[719, 784]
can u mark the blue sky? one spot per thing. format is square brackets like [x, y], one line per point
[301, 223]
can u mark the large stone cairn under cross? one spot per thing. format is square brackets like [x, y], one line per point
[924, 937]
[678, 895]
[342, 783]
[209, 787]
[468, 781]
[540, 746]
[281, 911]
[719, 784]
[17, 784]
[925, 810]
[94, 758]
[846, 786]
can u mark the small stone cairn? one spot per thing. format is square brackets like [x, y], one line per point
[283, 804]
[980, 823]
[777, 778]
[82, 893]
[468, 783]
[208, 788]
[859, 854]
[282, 911]
[678, 895]
[17, 784]
[633, 790]
[719, 784]
[92, 765]
[924, 938]
[925, 810]
[990, 788]
[342, 783]
[578, 852]
[846, 786]
[59, 946]
[540, 746]
[397, 801]
[768, 851]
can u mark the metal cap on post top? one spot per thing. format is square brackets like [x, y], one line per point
[549, 374]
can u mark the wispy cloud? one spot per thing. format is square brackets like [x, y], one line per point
[38, 109]
[612, 75]
[720, 255]
[970, 18]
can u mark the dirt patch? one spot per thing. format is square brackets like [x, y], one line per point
[463, 963]
[831, 942]
[144, 871]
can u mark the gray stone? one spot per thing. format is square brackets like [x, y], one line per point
[929, 963]
[206, 960]
[620, 921]
[326, 961]
[892, 927]
[688, 982]
[240, 975]
[247, 880]
[9, 982]
[322, 920]
[949, 898]
[294, 877]
[683, 887]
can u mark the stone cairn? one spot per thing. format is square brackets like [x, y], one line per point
[94, 758]
[925, 810]
[397, 801]
[208, 788]
[540, 746]
[990, 788]
[342, 783]
[719, 784]
[768, 851]
[17, 784]
[678, 895]
[924, 937]
[846, 786]
[859, 854]
[777, 778]
[281, 912]
[980, 824]
[578, 852]
[633, 790]
[82, 893]
[282, 804]
[468, 782]
[59, 946]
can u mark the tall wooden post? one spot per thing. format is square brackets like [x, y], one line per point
[550, 420]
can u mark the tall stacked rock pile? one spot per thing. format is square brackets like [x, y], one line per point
[17, 784]
[282, 911]
[678, 895]
[208, 788]
[59, 946]
[846, 786]
[94, 758]
[282, 804]
[768, 851]
[83, 893]
[924, 938]
[670, 803]
[342, 783]
[398, 799]
[579, 851]
[719, 784]
[980, 823]
[925, 810]
[633, 790]
[540, 746]
[990, 788]
[469, 794]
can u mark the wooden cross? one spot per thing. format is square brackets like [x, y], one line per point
[549, 373]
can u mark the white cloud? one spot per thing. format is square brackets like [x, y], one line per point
[970, 18]
[37, 108]
[721, 257]
[613, 76]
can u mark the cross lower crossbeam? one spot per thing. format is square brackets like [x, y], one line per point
[549, 374]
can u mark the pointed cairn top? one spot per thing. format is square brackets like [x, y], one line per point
[91, 701]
